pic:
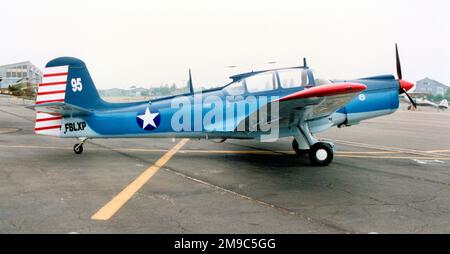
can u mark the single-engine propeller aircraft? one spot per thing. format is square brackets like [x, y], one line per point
[294, 100]
[421, 100]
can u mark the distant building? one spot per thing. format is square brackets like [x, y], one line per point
[431, 87]
[18, 72]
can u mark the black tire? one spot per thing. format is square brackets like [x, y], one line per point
[321, 154]
[78, 149]
[298, 151]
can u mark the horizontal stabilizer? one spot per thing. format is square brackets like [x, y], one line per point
[60, 108]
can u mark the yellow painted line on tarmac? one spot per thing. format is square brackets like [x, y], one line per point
[376, 147]
[35, 147]
[182, 151]
[139, 150]
[90, 148]
[270, 152]
[395, 157]
[368, 152]
[387, 148]
[350, 154]
[438, 151]
[108, 210]
[234, 151]
[151, 150]
[242, 151]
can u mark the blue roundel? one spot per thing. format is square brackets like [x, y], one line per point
[148, 120]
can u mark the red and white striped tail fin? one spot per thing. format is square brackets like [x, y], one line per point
[53, 86]
[48, 124]
[52, 89]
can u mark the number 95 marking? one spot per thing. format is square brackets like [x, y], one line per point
[76, 84]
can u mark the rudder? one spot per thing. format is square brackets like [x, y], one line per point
[80, 89]
[65, 80]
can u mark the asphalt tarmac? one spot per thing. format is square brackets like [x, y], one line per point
[389, 175]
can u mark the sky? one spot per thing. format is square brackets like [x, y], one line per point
[148, 43]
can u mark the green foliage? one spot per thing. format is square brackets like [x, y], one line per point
[447, 94]
[154, 92]
[438, 98]
[25, 90]
[166, 90]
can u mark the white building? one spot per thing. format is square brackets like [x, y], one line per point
[18, 72]
[430, 86]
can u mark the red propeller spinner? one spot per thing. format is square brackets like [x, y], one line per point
[404, 86]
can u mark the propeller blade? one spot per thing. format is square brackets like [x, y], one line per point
[410, 99]
[399, 66]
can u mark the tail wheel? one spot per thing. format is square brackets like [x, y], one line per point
[78, 148]
[297, 150]
[321, 154]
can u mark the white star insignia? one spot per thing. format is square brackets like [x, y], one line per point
[148, 118]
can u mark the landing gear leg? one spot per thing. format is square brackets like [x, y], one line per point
[320, 153]
[78, 148]
[297, 150]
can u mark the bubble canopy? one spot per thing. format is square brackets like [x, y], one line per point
[275, 79]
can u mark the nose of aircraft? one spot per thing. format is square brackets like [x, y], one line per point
[406, 85]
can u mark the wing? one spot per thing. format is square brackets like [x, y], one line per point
[309, 104]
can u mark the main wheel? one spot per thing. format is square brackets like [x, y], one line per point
[297, 150]
[78, 148]
[321, 154]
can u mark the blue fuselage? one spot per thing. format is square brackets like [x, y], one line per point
[123, 120]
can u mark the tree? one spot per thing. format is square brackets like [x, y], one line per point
[447, 94]
[436, 97]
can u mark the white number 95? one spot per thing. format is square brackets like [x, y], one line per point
[76, 84]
